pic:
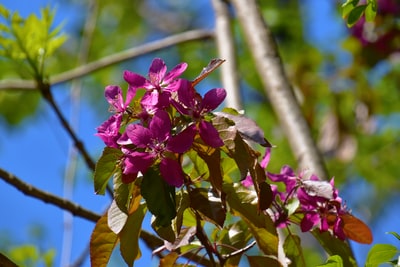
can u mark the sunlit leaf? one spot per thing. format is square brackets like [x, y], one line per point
[355, 15]
[370, 11]
[169, 260]
[102, 242]
[184, 238]
[333, 261]
[183, 202]
[379, 254]
[294, 251]
[121, 192]
[106, 166]
[211, 209]
[159, 196]
[356, 230]
[247, 128]
[261, 226]
[116, 218]
[166, 232]
[262, 261]
[129, 235]
[213, 161]
[348, 7]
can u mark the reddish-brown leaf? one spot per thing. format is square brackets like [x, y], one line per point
[356, 230]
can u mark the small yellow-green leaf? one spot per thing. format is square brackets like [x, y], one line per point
[169, 260]
[102, 242]
[293, 250]
[348, 7]
[355, 15]
[379, 254]
[333, 261]
[370, 11]
[129, 235]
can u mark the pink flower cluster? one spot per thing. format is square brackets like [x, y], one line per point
[315, 202]
[156, 128]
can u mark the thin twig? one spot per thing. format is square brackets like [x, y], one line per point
[226, 50]
[239, 251]
[111, 60]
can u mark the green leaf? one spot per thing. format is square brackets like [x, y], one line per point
[4, 12]
[122, 191]
[211, 211]
[262, 261]
[169, 260]
[355, 15]
[166, 232]
[394, 234]
[333, 261]
[370, 11]
[335, 246]
[348, 7]
[261, 226]
[213, 161]
[10, 105]
[293, 250]
[159, 196]
[106, 166]
[183, 202]
[129, 236]
[102, 242]
[380, 253]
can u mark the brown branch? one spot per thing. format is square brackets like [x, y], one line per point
[226, 50]
[149, 239]
[277, 86]
[111, 60]
[46, 197]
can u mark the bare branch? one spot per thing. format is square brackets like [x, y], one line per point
[46, 197]
[226, 50]
[111, 60]
[277, 86]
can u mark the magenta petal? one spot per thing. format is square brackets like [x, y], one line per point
[108, 131]
[175, 72]
[138, 162]
[213, 98]
[160, 126]
[113, 94]
[172, 172]
[139, 135]
[209, 134]
[134, 80]
[186, 93]
[183, 141]
[157, 71]
[309, 221]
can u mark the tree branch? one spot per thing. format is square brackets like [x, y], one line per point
[111, 60]
[226, 50]
[277, 86]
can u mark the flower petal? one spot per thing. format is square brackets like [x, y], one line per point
[157, 71]
[113, 94]
[135, 80]
[212, 99]
[108, 131]
[172, 172]
[183, 141]
[139, 135]
[209, 134]
[138, 162]
[309, 221]
[175, 72]
[160, 126]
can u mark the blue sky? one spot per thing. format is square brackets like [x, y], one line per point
[19, 154]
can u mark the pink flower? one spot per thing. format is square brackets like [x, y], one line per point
[159, 84]
[156, 145]
[191, 104]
